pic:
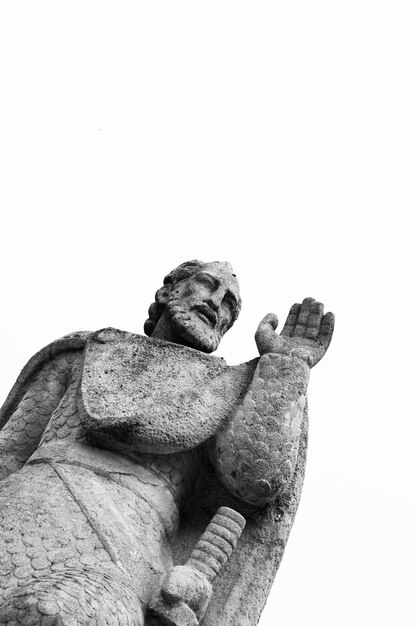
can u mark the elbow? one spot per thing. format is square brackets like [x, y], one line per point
[252, 489]
[255, 479]
[257, 492]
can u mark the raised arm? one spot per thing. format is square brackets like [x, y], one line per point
[256, 454]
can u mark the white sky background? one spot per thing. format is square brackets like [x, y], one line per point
[281, 137]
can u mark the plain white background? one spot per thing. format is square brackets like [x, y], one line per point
[281, 137]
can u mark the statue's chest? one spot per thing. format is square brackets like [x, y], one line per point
[155, 396]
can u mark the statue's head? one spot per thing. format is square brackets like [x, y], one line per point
[196, 305]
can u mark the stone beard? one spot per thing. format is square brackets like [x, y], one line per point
[189, 326]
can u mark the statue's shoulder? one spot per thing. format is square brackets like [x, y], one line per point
[72, 342]
[115, 342]
[128, 350]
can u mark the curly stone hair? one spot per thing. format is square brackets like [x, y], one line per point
[185, 270]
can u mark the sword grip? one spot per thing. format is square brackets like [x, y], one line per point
[217, 542]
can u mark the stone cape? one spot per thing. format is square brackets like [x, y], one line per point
[154, 396]
[242, 587]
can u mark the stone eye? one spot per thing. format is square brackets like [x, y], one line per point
[206, 280]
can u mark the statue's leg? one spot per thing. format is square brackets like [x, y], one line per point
[57, 565]
[71, 598]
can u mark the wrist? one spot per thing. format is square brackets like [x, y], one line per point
[282, 362]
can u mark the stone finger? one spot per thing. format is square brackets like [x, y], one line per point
[326, 329]
[304, 314]
[314, 320]
[291, 320]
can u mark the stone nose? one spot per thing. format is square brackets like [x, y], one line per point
[213, 304]
[215, 299]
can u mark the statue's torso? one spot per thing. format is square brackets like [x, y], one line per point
[162, 480]
[91, 516]
[94, 516]
[149, 404]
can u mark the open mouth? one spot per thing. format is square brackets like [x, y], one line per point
[207, 315]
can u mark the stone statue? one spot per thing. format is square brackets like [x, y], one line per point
[117, 451]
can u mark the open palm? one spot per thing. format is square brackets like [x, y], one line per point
[306, 334]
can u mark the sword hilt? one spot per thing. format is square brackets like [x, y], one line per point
[217, 542]
[208, 557]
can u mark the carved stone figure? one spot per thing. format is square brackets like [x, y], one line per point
[117, 451]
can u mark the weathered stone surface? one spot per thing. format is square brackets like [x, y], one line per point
[117, 451]
[188, 397]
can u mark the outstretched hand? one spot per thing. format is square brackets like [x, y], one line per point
[306, 334]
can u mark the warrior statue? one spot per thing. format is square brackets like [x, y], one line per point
[117, 451]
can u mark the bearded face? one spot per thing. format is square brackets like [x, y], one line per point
[203, 307]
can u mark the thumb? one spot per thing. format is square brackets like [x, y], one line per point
[265, 329]
[271, 320]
